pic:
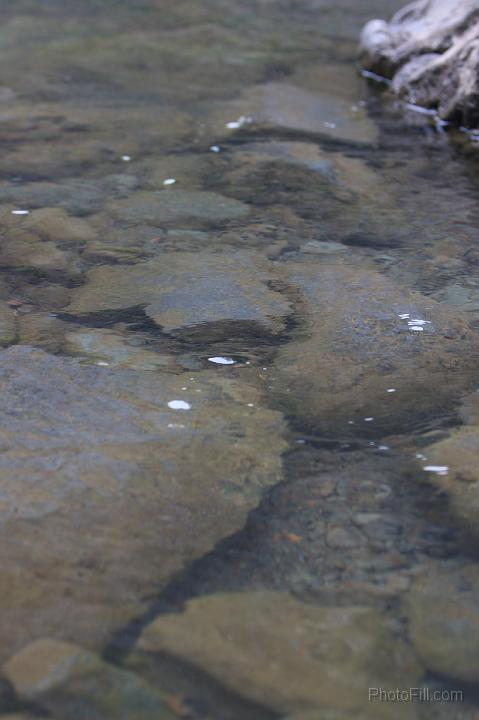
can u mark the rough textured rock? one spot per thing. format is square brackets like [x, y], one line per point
[443, 614]
[106, 491]
[204, 292]
[356, 346]
[430, 49]
[69, 681]
[283, 654]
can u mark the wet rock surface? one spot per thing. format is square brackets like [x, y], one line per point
[249, 291]
[281, 653]
[451, 464]
[429, 50]
[183, 293]
[371, 353]
[69, 681]
[88, 456]
[443, 627]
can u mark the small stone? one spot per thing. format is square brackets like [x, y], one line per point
[71, 682]
[443, 612]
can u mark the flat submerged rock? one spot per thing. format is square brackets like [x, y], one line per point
[285, 655]
[208, 293]
[106, 492]
[280, 107]
[165, 206]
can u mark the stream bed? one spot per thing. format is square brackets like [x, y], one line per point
[239, 330]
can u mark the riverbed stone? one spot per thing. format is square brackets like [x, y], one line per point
[282, 107]
[113, 349]
[107, 491]
[359, 340]
[8, 326]
[285, 655]
[443, 620]
[173, 205]
[56, 225]
[208, 294]
[458, 454]
[69, 681]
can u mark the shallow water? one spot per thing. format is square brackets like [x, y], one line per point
[239, 301]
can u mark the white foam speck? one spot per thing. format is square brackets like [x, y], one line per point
[20, 212]
[404, 316]
[218, 360]
[179, 405]
[169, 181]
[391, 390]
[250, 404]
[420, 456]
[330, 125]
[175, 425]
[102, 363]
[236, 124]
[438, 469]
[417, 328]
[215, 148]
[368, 419]
[350, 422]
[383, 447]
[126, 158]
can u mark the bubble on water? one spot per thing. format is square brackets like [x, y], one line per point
[126, 158]
[102, 363]
[236, 124]
[438, 469]
[179, 405]
[20, 212]
[215, 148]
[218, 360]
[169, 181]
[250, 404]
[368, 419]
[391, 390]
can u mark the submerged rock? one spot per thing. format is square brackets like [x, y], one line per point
[8, 327]
[364, 335]
[110, 348]
[454, 466]
[443, 613]
[71, 682]
[430, 50]
[284, 655]
[279, 107]
[166, 206]
[107, 490]
[210, 294]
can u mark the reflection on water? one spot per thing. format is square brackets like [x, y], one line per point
[239, 303]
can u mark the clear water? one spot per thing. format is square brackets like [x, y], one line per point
[102, 105]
